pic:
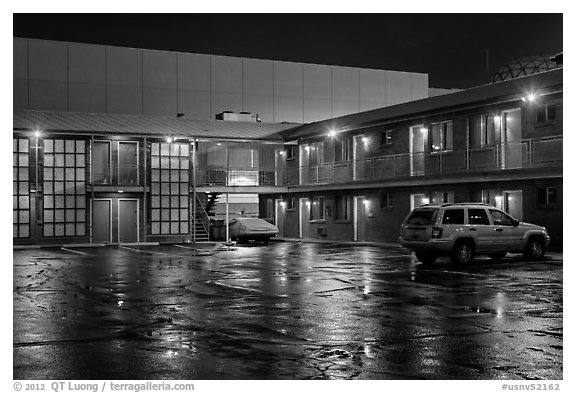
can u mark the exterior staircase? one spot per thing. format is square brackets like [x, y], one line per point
[205, 204]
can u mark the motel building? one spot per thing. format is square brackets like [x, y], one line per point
[122, 145]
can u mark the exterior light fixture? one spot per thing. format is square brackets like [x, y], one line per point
[365, 140]
[169, 139]
[332, 133]
[37, 134]
[425, 201]
[423, 130]
[366, 202]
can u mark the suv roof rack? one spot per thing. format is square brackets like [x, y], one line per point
[465, 203]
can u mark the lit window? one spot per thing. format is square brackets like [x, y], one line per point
[317, 208]
[442, 136]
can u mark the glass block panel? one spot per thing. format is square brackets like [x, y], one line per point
[14, 230]
[24, 202]
[15, 201]
[48, 230]
[59, 215]
[155, 215]
[184, 189]
[164, 162]
[183, 201]
[59, 160]
[165, 228]
[174, 228]
[48, 201]
[48, 215]
[70, 229]
[183, 214]
[23, 159]
[184, 227]
[165, 188]
[23, 175]
[81, 202]
[184, 164]
[184, 150]
[58, 187]
[23, 188]
[174, 200]
[24, 230]
[155, 162]
[165, 215]
[23, 216]
[175, 149]
[48, 160]
[48, 146]
[59, 174]
[59, 202]
[59, 230]
[165, 149]
[174, 189]
[48, 174]
[165, 202]
[155, 228]
[80, 229]
[70, 160]
[81, 160]
[23, 145]
[155, 176]
[59, 146]
[70, 215]
[81, 215]
[184, 176]
[70, 146]
[70, 187]
[155, 201]
[70, 174]
[81, 174]
[80, 146]
[155, 188]
[174, 215]
[174, 163]
[70, 201]
[155, 149]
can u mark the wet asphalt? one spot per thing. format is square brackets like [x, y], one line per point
[287, 310]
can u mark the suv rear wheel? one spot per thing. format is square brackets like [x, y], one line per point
[427, 258]
[463, 252]
[535, 249]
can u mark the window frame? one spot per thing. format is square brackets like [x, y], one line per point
[446, 135]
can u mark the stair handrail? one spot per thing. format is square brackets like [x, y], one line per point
[204, 219]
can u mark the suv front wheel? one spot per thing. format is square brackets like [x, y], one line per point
[535, 249]
[463, 252]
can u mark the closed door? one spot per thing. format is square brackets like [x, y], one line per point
[101, 221]
[279, 216]
[512, 136]
[304, 218]
[418, 142]
[359, 219]
[358, 157]
[127, 220]
[128, 163]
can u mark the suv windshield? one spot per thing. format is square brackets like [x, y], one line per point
[422, 217]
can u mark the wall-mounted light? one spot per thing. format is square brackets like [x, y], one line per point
[531, 97]
[366, 140]
[332, 133]
[37, 134]
[366, 202]
[282, 204]
[425, 201]
[169, 139]
[423, 130]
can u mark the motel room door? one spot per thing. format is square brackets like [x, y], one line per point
[102, 221]
[512, 139]
[304, 222]
[359, 209]
[418, 142]
[279, 216]
[128, 227]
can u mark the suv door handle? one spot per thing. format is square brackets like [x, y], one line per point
[473, 229]
[498, 229]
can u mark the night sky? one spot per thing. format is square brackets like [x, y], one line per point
[451, 48]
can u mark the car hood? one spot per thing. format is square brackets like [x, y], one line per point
[528, 225]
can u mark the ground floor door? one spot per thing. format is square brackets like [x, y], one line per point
[128, 220]
[512, 201]
[102, 221]
[359, 209]
[304, 224]
[279, 216]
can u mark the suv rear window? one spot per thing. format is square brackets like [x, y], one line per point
[422, 217]
[453, 216]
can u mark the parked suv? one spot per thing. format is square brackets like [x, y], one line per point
[462, 230]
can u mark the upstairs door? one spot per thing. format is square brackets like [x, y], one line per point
[102, 221]
[128, 163]
[304, 223]
[128, 221]
[418, 142]
[512, 139]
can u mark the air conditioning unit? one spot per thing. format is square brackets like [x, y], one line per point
[242, 116]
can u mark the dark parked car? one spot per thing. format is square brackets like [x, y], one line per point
[244, 229]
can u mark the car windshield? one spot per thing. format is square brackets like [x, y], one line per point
[422, 217]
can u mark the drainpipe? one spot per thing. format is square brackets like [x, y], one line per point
[227, 226]
[193, 215]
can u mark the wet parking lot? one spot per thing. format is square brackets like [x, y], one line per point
[287, 310]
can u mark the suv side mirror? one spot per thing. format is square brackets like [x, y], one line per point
[515, 222]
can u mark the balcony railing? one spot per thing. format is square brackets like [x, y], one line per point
[116, 176]
[240, 176]
[528, 153]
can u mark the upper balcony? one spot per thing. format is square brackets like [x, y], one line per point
[529, 153]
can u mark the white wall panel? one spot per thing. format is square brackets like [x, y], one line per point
[369, 105]
[123, 66]
[48, 60]
[345, 84]
[20, 58]
[258, 77]
[159, 102]
[288, 80]
[87, 97]
[20, 94]
[419, 86]
[317, 109]
[398, 87]
[48, 95]
[373, 86]
[262, 105]
[87, 64]
[194, 104]
[317, 81]
[226, 74]
[288, 109]
[225, 102]
[343, 108]
[124, 100]
[193, 72]
[159, 69]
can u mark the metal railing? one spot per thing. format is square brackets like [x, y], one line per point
[529, 153]
[125, 175]
[240, 176]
